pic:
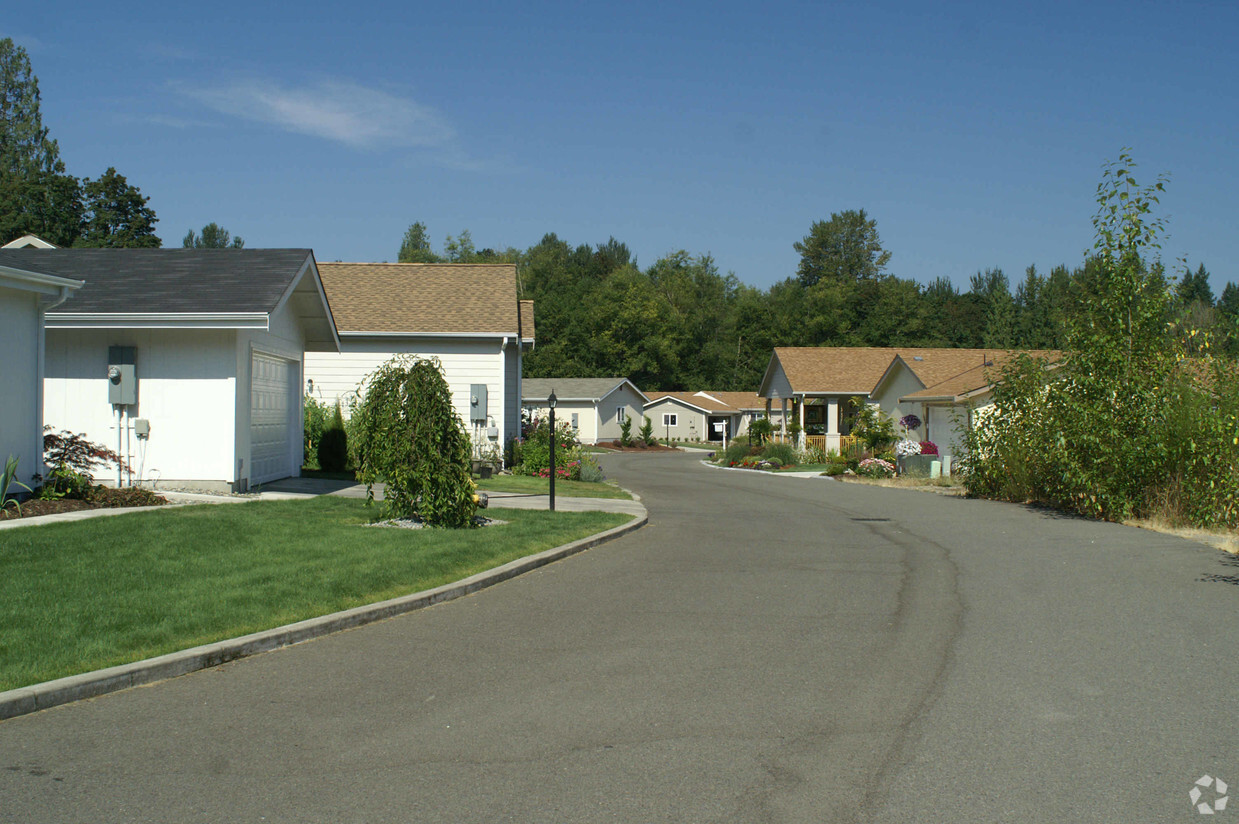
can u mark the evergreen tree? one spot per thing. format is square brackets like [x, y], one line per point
[213, 236]
[845, 248]
[415, 248]
[116, 215]
[36, 195]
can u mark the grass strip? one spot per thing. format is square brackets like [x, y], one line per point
[80, 596]
[529, 485]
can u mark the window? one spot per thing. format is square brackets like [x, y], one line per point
[669, 419]
[620, 414]
[576, 421]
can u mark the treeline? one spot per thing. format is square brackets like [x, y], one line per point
[682, 324]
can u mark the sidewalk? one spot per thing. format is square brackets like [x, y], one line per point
[291, 489]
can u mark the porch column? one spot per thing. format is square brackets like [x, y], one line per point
[783, 419]
[800, 438]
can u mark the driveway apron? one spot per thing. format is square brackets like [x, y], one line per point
[766, 649]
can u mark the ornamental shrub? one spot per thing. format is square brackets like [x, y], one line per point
[928, 448]
[332, 450]
[647, 431]
[409, 438]
[784, 453]
[873, 426]
[875, 468]
[535, 451]
[315, 423]
[626, 432]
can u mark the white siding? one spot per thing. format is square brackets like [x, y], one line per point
[901, 382]
[464, 363]
[187, 389]
[587, 417]
[20, 427]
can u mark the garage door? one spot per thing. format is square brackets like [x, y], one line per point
[271, 387]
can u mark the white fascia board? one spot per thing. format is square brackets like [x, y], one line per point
[686, 404]
[310, 266]
[443, 335]
[158, 320]
[36, 281]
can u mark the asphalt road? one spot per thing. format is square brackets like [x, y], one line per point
[767, 649]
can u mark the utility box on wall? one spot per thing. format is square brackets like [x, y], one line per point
[477, 403]
[122, 375]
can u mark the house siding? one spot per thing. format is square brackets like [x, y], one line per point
[690, 423]
[463, 363]
[187, 389]
[901, 382]
[20, 424]
[608, 425]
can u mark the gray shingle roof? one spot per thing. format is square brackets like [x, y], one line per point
[167, 280]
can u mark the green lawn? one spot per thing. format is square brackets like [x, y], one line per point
[79, 596]
[541, 486]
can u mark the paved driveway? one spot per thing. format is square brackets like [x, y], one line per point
[767, 649]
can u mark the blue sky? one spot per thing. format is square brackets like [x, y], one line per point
[974, 133]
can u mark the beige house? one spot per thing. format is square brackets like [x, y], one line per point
[817, 386]
[595, 408]
[467, 315]
[704, 416]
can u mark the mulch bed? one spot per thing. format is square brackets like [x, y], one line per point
[615, 445]
[101, 497]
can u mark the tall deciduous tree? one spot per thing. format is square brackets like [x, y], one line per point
[36, 195]
[845, 248]
[213, 236]
[415, 247]
[116, 215]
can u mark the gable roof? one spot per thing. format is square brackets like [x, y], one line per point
[977, 380]
[220, 288]
[424, 298]
[857, 370]
[592, 390]
[135, 281]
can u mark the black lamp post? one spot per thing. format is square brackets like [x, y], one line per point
[551, 401]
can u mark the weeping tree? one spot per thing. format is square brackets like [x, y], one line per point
[407, 435]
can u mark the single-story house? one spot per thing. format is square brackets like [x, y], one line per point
[595, 408]
[467, 315]
[704, 416]
[820, 383]
[188, 362]
[950, 408]
[25, 295]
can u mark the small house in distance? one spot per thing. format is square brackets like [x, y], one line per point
[595, 408]
[704, 416]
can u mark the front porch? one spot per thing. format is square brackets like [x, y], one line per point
[825, 421]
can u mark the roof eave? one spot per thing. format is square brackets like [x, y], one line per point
[158, 320]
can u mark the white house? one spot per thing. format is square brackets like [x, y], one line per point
[25, 294]
[467, 315]
[186, 361]
[594, 407]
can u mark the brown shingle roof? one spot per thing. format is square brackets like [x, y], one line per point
[426, 298]
[975, 379]
[527, 320]
[857, 369]
[715, 401]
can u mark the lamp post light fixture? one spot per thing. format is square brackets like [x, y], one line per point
[551, 401]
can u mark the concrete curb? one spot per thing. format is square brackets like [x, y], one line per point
[37, 697]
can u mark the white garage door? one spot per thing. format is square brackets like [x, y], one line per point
[271, 382]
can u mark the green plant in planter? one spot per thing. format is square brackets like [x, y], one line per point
[760, 430]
